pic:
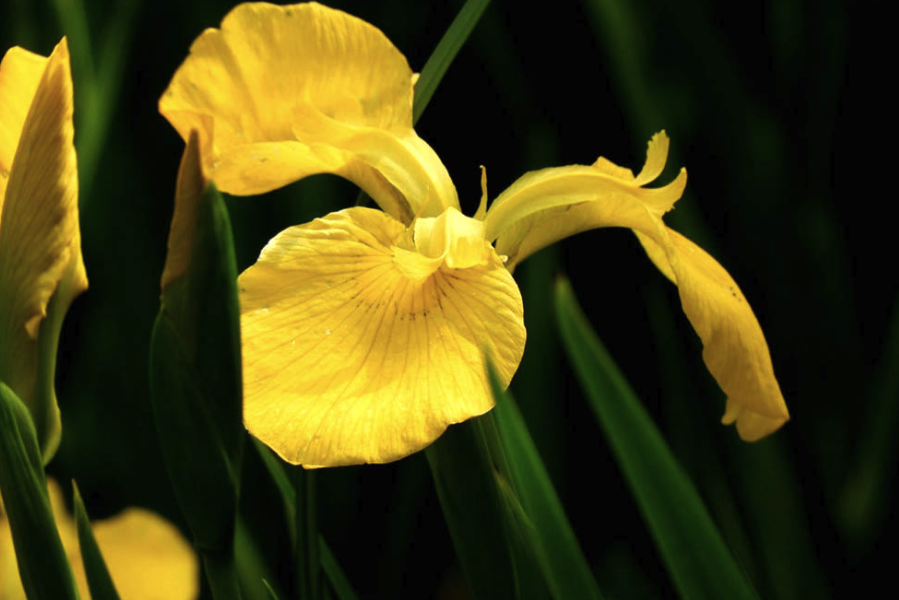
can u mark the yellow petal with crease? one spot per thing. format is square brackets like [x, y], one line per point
[347, 360]
[147, 557]
[534, 211]
[282, 92]
[41, 268]
[546, 206]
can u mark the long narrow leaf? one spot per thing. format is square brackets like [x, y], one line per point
[305, 550]
[697, 559]
[443, 55]
[567, 571]
[195, 370]
[99, 581]
[339, 583]
[43, 566]
[336, 577]
[271, 593]
[465, 478]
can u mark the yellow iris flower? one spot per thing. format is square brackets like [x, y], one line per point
[364, 332]
[147, 557]
[41, 269]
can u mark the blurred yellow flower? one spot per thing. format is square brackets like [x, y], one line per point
[364, 331]
[146, 555]
[41, 269]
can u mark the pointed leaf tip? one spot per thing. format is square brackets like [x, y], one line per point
[99, 580]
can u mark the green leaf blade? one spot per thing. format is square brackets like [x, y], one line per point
[443, 55]
[339, 582]
[567, 572]
[465, 478]
[195, 371]
[697, 559]
[43, 565]
[99, 581]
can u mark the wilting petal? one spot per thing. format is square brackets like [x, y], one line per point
[147, 556]
[40, 242]
[734, 347]
[347, 360]
[282, 92]
[545, 206]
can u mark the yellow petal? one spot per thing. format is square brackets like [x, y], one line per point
[20, 72]
[40, 243]
[540, 208]
[347, 360]
[147, 556]
[282, 92]
[734, 347]
[454, 238]
[545, 206]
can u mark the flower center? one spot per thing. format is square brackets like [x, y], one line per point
[451, 238]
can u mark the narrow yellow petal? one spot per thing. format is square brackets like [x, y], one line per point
[347, 360]
[545, 206]
[734, 347]
[541, 207]
[40, 243]
[282, 92]
[20, 73]
[656, 156]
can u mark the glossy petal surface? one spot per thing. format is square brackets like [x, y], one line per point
[282, 92]
[348, 360]
[545, 206]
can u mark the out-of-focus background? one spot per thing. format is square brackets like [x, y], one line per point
[777, 109]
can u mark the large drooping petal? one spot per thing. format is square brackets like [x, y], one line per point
[282, 92]
[41, 267]
[147, 557]
[348, 360]
[545, 206]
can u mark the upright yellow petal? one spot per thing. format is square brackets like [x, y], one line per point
[348, 360]
[545, 206]
[20, 73]
[282, 92]
[41, 268]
